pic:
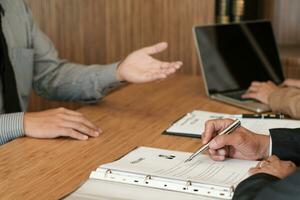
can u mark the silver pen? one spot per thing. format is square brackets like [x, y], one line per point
[235, 124]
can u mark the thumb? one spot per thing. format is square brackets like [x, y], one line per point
[224, 140]
[155, 48]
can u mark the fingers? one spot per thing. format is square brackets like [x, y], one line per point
[252, 90]
[172, 65]
[259, 91]
[162, 70]
[76, 125]
[80, 119]
[250, 95]
[176, 64]
[264, 165]
[273, 158]
[255, 170]
[254, 86]
[166, 67]
[157, 48]
[79, 127]
[221, 141]
[215, 155]
[212, 127]
[74, 134]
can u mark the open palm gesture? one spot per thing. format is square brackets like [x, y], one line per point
[140, 67]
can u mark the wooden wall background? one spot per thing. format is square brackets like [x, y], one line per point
[285, 17]
[105, 31]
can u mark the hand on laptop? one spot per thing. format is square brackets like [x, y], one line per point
[240, 144]
[260, 91]
[291, 83]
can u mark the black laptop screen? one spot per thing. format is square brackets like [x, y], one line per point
[234, 55]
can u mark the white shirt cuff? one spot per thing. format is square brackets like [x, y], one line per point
[270, 146]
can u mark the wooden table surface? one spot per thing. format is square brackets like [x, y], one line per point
[135, 115]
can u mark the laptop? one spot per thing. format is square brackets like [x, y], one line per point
[233, 55]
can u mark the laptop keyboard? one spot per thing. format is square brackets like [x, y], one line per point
[236, 95]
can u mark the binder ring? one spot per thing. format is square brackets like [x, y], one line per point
[188, 183]
[108, 172]
[231, 189]
[148, 177]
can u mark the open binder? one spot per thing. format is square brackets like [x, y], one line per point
[219, 191]
[166, 170]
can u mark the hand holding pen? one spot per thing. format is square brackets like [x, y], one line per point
[240, 144]
[236, 123]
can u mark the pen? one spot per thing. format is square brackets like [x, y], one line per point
[261, 116]
[254, 116]
[226, 131]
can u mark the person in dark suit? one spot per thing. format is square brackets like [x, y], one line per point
[276, 176]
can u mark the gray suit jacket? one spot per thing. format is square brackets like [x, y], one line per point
[37, 65]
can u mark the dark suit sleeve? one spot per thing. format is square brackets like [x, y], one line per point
[285, 145]
[265, 186]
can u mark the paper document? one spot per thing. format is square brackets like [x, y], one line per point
[106, 190]
[193, 123]
[170, 164]
[151, 173]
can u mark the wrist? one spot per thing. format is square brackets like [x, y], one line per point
[119, 74]
[264, 147]
[25, 123]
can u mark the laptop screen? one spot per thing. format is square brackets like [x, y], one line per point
[234, 55]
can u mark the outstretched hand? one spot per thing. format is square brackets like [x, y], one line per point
[141, 67]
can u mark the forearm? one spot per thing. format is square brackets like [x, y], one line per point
[11, 127]
[291, 103]
[74, 82]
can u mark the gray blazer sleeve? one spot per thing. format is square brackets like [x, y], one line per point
[61, 80]
[11, 127]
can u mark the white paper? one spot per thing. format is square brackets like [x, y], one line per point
[105, 190]
[170, 164]
[193, 123]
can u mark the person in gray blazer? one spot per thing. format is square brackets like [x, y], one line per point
[29, 60]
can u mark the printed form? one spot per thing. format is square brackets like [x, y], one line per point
[170, 164]
[193, 123]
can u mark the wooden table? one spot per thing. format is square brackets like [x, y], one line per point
[132, 116]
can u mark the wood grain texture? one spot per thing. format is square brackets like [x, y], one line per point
[105, 31]
[133, 116]
[285, 17]
[290, 58]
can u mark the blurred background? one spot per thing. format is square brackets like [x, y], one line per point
[105, 31]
